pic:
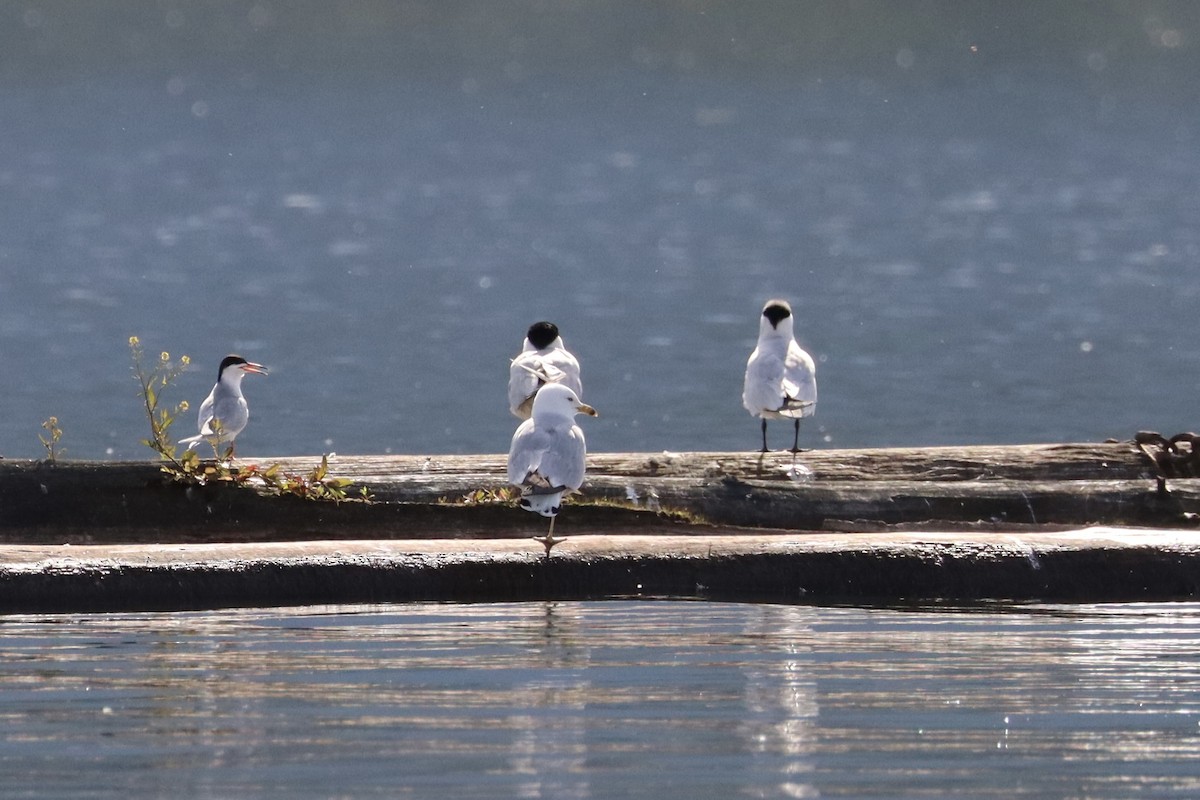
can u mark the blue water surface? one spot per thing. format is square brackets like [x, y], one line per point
[988, 234]
[604, 700]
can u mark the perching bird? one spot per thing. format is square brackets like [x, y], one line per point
[224, 413]
[781, 379]
[548, 454]
[543, 359]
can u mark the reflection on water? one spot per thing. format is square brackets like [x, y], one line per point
[667, 700]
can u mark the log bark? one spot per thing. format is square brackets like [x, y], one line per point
[996, 487]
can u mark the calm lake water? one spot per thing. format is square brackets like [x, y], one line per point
[621, 699]
[984, 216]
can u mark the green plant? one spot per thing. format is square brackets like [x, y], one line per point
[502, 495]
[497, 496]
[153, 381]
[217, 428]
[316, 484]
[50, 439]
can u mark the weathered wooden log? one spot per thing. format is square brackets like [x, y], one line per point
[421, 496]
[985, 522]
[402, 477]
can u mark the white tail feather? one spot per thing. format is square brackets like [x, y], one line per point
[547, 504]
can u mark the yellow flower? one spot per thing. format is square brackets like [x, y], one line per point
[133, 341]
[183, 406]
[165, 356]
[185, 360]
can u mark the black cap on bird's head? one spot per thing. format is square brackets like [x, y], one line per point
[233, 360]
[776, 311]
[542, 334]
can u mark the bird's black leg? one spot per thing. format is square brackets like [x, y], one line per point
[796, 439]
[764, 432]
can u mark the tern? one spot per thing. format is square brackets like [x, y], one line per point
[224, 413]
[543, 359]
[548, 455]
[781, 379]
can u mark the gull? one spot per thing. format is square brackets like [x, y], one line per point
[781, 379]
[224, 413]
[543, 359]
[548, 453]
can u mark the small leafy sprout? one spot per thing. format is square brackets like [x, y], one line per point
[316, 484]
[502, 495]
[50, 439]
[216, 441]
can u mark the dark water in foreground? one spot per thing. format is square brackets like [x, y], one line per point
[664, 700]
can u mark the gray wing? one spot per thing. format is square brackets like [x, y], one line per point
[558, 456]
[232, 411]
[523, 383]
[525, 452]
[799, 383]
[763, 386]
[565, 460]
[564, 368]
[204, 418]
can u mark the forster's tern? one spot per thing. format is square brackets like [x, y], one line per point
[543, 359]
[781, 379]
[548, 453]
[224, 413]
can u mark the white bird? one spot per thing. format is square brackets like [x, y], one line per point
[781, 379]
[548, 454]
[224, 413]
[543, 359]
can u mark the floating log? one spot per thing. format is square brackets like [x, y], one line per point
[663, 493]
[964, 523]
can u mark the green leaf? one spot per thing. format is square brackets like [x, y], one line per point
[320, 472]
